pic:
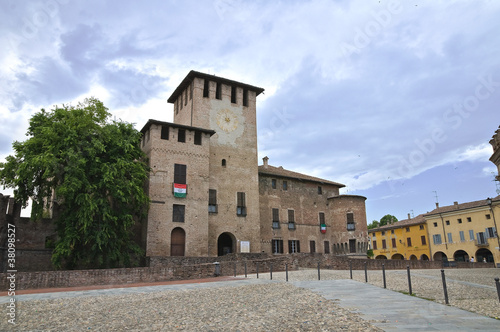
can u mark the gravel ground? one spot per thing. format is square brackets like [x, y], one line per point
[469, 289]
[267, 307]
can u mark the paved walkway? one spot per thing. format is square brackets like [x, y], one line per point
[386, 309]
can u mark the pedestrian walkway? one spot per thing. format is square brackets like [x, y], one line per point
[386, 309]
[393, 311]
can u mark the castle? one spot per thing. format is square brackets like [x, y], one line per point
[209, 197]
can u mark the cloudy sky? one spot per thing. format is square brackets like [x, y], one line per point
[396, 99]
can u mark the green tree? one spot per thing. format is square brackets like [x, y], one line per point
[388, 219]
[95, 170]
[374, 224]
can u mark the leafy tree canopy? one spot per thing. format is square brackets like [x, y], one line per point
[374, 224]
[95, 171]
[388, 219]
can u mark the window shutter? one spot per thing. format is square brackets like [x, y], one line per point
[486, 234]
[291, 216]
[241, 199]
[212, 197]
[276, 214]
[180, 174]
[289, 246]
[280, 242]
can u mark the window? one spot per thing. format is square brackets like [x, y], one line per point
[285, 185]
[223, 163]
[350, 221]
[490, 232]
[459, 220]
[276, 218]
[181, 136]
[291, 225]
[423, 240]
[241, 209]
[383, 232]
[312, 247]
[408, 241]
[462, 236]
[447, 222]
[407, 229]
[321, 217]
[393, 243]
[471, 235]
[320, 190]
[384, 245]
[421, 227]
[197, 137]
[291, 219]
[277, 246]
[352, 246]
[469, 219]
[180, 174]
[392, 231]
[205, 88]
[487, 217]
[437, 239]
[450, 239]
[273, 183]
[326, 244]
[233, 94]
[164, 132]
[218, 94]
[245, 97]
[212, 201]
[481, 238]
[374, 243]
[293, 246]
[435, 224]
[178, 213]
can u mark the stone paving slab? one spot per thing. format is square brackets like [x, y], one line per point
[393, 311]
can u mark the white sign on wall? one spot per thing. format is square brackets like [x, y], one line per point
[245, 246]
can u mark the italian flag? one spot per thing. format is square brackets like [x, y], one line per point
[179, 190]
[322, 228]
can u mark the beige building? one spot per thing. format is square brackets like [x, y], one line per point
[460, 232]
[209, 197]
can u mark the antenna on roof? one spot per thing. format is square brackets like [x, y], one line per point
[437, 201]
[412, 215]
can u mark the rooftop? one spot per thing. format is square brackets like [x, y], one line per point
[399, 224]
[462, 206]
[175, 125]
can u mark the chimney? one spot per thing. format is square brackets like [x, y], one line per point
[265, 159]
[456, 205]
[409, 216]
[437, 205]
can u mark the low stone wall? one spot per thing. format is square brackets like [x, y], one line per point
[185, 268]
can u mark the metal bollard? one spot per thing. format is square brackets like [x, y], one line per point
[409, 278]
[217, 269]
[245, 269]
[286, 271]
[366, 272]
[257, 267]
[271, 271]
[350, 267]
[319, 277]
[383, 275]
[235, 269]
[444, 288]
[497, 283]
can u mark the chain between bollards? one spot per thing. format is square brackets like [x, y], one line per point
[497, 283]
[383, 275]
[366, 272]
[444, 288]
[409, 279]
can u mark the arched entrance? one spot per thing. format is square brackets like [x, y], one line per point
[225, 244]
[177, 242]
[397, 256]
[380, 257]
[461, 256]
[440, 256]
[424, 257]
[413, 258]
[484, 254]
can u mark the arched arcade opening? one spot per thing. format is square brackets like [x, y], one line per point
[226, 244]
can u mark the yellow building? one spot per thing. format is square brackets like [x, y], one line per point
[405, 239]
[460, 232]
